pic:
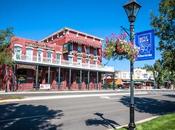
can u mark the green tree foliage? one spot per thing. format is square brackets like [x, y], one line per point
[158, 71]
[5, 52]
[164, 26]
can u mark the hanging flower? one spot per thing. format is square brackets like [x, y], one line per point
[118, 47]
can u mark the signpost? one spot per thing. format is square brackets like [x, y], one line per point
[145, 42]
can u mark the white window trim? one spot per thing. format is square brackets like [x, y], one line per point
[41, 55]
[20, 46]
[51, 54]
[31, 59]
[60, 56]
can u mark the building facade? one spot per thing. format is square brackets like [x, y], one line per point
[141, 77]
[65, 60]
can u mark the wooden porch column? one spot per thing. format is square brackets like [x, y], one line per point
[80, 79]
[36, 78]
[70, 72]
[59, 72]
[88, 78]
[48, 81]
[97, 79]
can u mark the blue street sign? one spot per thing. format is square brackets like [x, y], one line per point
[145, 42]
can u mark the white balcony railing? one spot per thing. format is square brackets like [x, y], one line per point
[64, 63]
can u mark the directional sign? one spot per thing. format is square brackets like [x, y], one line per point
[145, 42]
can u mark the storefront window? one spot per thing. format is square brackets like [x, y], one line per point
[22, 76]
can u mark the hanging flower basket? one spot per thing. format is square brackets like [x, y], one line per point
[92, 56]
[84, 55]
[118, 47]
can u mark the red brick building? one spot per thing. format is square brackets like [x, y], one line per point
[65, 60]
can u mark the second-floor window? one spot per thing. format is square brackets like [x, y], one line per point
[95, 51]
[79, 49]
[17, 51]
[29, 54]
[87, 50]
[57, 58]
[49, 56]
[70, 47]
[40, 55]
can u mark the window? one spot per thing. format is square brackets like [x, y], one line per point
[124, 75]
[79, 49]
[49, 56]
[17, 51]
[57, 58]
[145, 76]
[40, 55]
[29, 54]
[87, 50]
[95, 51]
[70, 47]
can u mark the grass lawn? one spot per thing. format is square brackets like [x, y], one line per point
[165, 122]
[6, 97]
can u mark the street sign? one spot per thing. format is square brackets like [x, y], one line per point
[145, 42]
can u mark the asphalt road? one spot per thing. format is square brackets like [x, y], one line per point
[88, 113]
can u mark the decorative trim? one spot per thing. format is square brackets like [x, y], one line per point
[29, 47]
[18, 45]
[59, 52]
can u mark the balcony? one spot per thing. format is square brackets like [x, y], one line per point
[61, 63]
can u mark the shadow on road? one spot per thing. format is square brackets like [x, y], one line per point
[28, 117]
[150, 105]
[101, 120]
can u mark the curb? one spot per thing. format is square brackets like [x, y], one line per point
[137, 122]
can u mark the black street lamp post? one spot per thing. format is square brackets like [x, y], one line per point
[131, 9]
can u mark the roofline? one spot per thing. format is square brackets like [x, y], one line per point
[70, 29]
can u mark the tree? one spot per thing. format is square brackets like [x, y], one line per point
[6, 61]
[164, 26]
[157, 70]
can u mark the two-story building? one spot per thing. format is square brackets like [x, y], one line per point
[65, 60]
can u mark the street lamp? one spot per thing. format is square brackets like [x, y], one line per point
[131, 9]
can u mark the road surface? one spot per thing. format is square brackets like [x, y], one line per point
[85, 113]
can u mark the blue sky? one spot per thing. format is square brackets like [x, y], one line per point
[35, 19]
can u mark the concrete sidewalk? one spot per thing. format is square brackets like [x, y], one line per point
[84, 91]
[70, 96]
